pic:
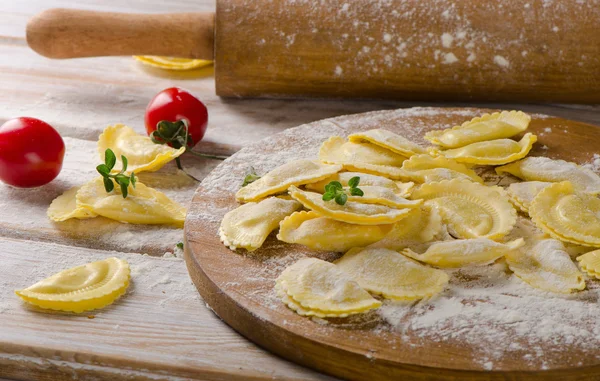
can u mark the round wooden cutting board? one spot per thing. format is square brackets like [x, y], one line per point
[238, 286]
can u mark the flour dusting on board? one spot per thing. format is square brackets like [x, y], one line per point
[486, 309]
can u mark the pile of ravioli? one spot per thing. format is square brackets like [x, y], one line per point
[423, 210]
[143, 205]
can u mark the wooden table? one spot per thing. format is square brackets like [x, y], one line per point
[165, 335]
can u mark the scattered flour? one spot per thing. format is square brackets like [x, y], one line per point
[501, 61]
[449, 58]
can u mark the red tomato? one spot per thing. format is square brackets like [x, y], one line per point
[31, 152]
[176, 104]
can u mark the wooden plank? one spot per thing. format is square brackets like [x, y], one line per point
[159, 330]
[98, 233]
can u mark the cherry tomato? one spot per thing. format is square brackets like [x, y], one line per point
[175, 104]
[31, 152]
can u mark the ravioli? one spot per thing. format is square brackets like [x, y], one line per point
[362, 157]
[426, 168]
[493, 152]
[549, 170]
[567, 215]
[82, 288]
[464, 252]
[298, 172]
[321, 233]
[65, 207]
[399, 188]
[590, 263]
[351, 212]
[321, 289]
[141, 153]
[388, 140]
[382, 196]
[386, 272]
[248, 226]
[522, 194]
[469, 209]
[494, 126]
[421, 225]
[143, 205]
[544, 264]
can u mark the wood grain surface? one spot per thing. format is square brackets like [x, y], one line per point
[411, 50]
[239, 286]
[80, 98]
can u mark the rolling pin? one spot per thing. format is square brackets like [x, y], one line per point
[494, 50]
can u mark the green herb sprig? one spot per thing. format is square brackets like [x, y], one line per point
[335, 191]
[120, 178]
[250, 177]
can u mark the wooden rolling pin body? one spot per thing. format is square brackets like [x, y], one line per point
[502, 50]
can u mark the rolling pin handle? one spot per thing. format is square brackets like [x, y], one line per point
[69, 33]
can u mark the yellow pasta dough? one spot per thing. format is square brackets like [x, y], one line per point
[382, 196]
[351, 212]
[321, 233]
[143, 205]
[464, 252]
[498, 125]
[388, 140]
[82, 288]
[469, 209]
[522, 194]
[141, 153]
[249, 225]
[362, 157]
[65, 207]
[386, 272]
[421, 225]
[298, 172]
[590, 263]
[567, 215]
[549, 170]
[545, 264]
[426, 168]
[399, 188]
[492, 152]
[322, 289]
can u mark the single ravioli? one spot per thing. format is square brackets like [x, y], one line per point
[464, 252]
[426, 168]
[382, 196]
[399, 188]
[567, 215]
[319, 286]
[469, 209]
[82, 288]
[388, 140]
[522, 194]
[351, 212]
[422, 225]
[248, 226]
[386, 272]
[141, 153]
[545, 264]
[492, 152]
[322, 233]
[590, 263]
[297, 172]
[362, 157]
[143, 205]
[65, 207]
[553, 171]
[494, 126]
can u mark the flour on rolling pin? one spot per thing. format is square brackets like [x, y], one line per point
[409, 49]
